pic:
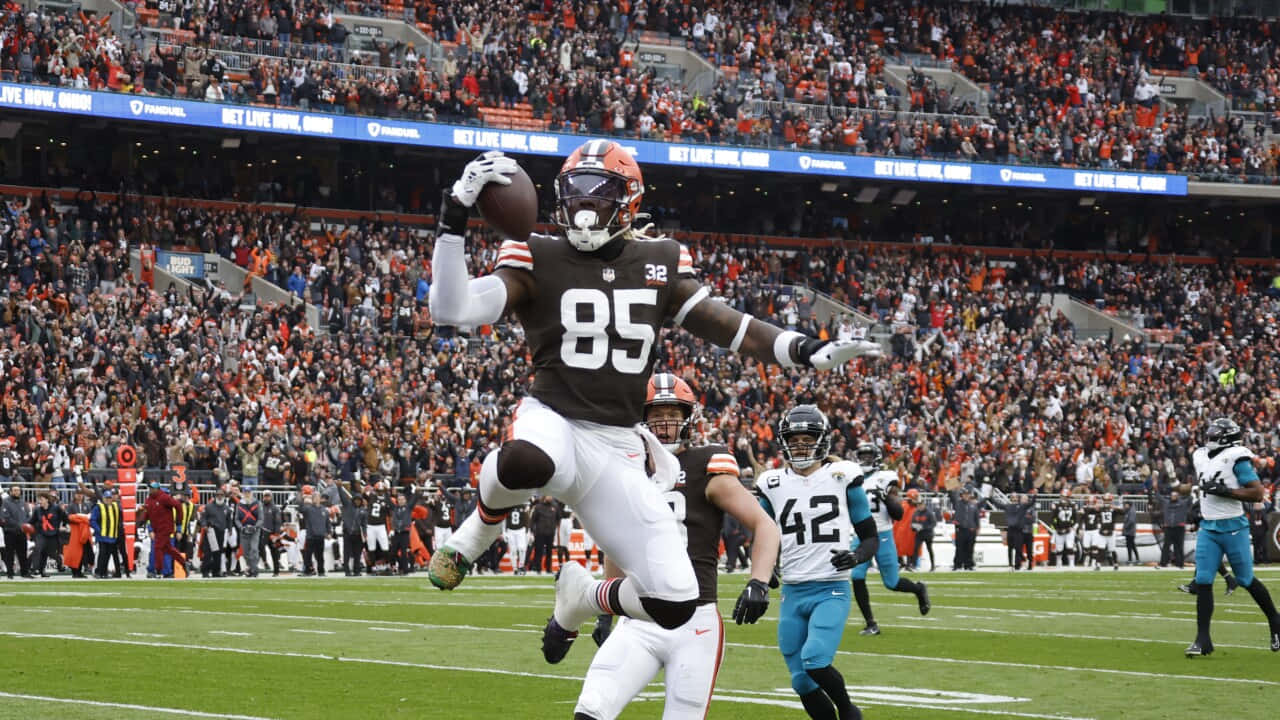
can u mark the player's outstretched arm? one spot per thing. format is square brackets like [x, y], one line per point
[714, 321]
[455, 297]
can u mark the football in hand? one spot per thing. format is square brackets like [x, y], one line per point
[511, 209]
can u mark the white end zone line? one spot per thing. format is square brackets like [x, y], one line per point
[127, 706]
[795, 705]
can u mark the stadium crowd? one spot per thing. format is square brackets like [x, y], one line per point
[980, 369]
[808, 77]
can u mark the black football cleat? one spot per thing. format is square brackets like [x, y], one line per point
[923, 598]
[1232, 583]
[1275, 638]
[1199, 648]
[556, 641]
[872, 629]
[1187, 589]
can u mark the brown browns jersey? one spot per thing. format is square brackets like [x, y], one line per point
[592, 325]
[701, 520]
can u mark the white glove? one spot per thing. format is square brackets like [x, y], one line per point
[491, 167]
[839, 352]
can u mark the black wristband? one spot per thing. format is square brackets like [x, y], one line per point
[453, 215]
[804, 348]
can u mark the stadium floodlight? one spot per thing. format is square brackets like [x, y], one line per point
[9, 129]
[903, 197]
[230, 143]
[866, 195]
[1088, 201]
[829, 187]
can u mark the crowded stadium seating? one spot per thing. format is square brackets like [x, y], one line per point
[978, 368]
[1083, 101]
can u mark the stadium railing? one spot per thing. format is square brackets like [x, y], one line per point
[203, 481]
[271, 48]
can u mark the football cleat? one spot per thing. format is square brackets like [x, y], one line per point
[1232, 584]
[1275, 637]
[447, 569]
[1186, 588]
[1199, 648]
[872, 629]
[556, 641]
[923, 598]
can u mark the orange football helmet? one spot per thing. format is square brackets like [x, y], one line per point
[667, 389]
[598, 193]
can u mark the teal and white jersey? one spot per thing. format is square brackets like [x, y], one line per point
[877, 485]
[816, 514]
[1212, 466]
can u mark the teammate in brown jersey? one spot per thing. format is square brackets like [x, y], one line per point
[592, 301]
[634, 653]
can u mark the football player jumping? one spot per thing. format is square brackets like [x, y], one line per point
[634, 653]
[592, 300]
[819, 506]
[1227, 478]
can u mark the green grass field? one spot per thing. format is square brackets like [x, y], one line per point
[1037, 645]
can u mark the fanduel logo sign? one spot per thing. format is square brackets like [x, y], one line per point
[812, 163]
[1007, 175]
[378, 129]
[139, 107]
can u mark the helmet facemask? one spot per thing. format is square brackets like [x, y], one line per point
[802, 448]
[591, 207]
[670, 422]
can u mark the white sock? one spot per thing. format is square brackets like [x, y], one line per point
[474, 536]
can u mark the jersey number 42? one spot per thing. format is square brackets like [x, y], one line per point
[792, 520]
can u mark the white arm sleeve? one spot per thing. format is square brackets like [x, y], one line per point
[456, 298]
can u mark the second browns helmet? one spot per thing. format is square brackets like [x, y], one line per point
[668, 389]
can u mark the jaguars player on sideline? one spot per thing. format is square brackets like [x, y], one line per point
[881, 487]
[592, 300]
[814, 503]
[632, 655]
[1227, 477]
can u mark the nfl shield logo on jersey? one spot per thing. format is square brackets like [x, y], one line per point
[608, 274]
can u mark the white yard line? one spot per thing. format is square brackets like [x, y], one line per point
[314, 618]
[128, 706]
[280, 653]
[770, 648]
[313, 632]
[997, 663]
[1068, 636]
[228, 632]
[386, 629]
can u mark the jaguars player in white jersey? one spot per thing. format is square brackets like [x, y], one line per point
[818, 506]
[881, 487]
[1224, 470]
